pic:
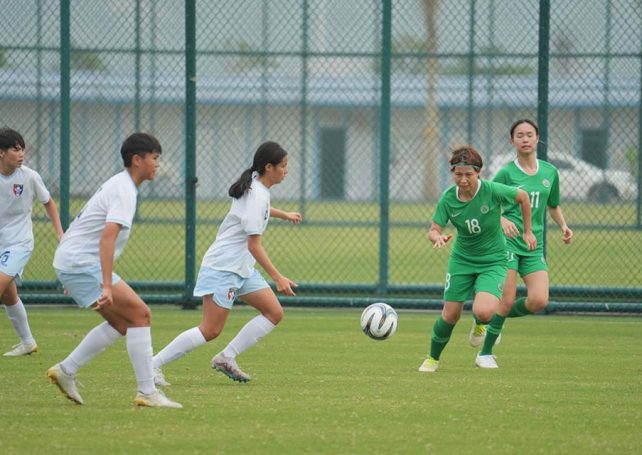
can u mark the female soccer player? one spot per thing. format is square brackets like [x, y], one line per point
[477, 265]
[84, 264]
[19, 186]
[228, 271]
[541, 181]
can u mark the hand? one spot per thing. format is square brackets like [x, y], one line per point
[441, 241]
[530, 240]
[105, 299]
[567, 235]
[293, 217]
[284, 285]
[509, 228]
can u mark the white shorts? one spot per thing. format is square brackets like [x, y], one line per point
[84, 286]
[225, 286]
[13, 263]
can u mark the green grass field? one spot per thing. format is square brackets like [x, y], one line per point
[566, 384]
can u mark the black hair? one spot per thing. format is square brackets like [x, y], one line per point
[139, 144]
[466, 156]
[10, 138]
[268, 153]
[519, 122]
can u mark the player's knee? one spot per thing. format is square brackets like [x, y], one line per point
[142, 317]
[210, 332]
[537, 304]
[484, 315]
[275, 315]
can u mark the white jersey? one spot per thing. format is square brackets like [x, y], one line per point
[248, 215]
[114, 202]
[18, 191]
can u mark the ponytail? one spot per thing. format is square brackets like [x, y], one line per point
[238, 188]
[268, 153]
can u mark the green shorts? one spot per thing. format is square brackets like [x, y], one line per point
[526, 265]
[462, 285]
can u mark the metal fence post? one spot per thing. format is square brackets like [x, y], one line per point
[542, 83]
[190, 152]
[65, 108]
[384, 135]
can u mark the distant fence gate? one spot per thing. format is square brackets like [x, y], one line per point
[367, 97]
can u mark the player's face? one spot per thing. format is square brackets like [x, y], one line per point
[524, 138]
[466, 178]
[149, 165]
[13, 157]
[276, 173]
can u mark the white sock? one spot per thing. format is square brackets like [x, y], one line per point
[248, 336]
[96, 341]
[184, 343]
[139, 348]
[18, 317]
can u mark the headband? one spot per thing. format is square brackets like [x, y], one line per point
[464, 163]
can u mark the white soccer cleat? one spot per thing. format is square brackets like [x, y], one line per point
[65, 382]
[159, 378]
[486, 361]
[430, 365]
[21, 349]
[229, 368]
[477, 334]
[155, 400]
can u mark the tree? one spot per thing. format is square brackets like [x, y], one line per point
[431, 131]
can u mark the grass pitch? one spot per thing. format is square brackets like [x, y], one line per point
[566, 384]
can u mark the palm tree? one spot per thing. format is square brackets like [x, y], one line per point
[431, 131]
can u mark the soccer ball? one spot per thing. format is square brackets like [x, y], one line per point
[379, 321]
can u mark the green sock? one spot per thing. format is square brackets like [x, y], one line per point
[493, 329]
[477, 320]
[441, 332]
[519, 309]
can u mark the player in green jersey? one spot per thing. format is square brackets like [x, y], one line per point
[541, 181]
[477, 264]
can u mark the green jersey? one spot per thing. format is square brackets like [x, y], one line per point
[543, 190]
[480, 239]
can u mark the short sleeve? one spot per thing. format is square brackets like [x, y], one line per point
[441, 214]
[122, 208]
[39, 188]
[255, 214]
[504, 194]
[554, 196]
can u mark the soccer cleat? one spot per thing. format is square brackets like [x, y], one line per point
[159, 378]
[21, 349]
[486, 361]
[65, 382]
[156, 399]
[229, 368]
[430, 365]
[477, 334]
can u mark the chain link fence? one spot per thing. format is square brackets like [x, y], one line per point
[367, 96]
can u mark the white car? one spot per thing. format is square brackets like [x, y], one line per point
[580, 180]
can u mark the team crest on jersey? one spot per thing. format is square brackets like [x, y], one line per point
[484, 209]
[4, 257]
[231, 293]
[18, 189]
[546, 183]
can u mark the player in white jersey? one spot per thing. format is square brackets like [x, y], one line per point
[19, 187]
[84, 264]
[227, 270]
